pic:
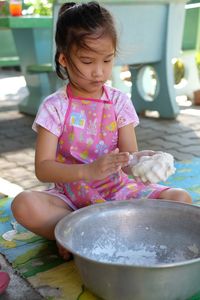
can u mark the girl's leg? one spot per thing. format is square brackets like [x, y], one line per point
[176, 194]
[40, 212]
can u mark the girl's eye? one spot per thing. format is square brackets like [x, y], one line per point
[107, 61]
[86, 62]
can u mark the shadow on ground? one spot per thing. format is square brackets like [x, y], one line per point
[16, 132]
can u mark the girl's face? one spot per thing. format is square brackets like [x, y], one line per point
[91, 68]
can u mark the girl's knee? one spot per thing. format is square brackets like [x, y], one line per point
[178, 195]
[184, 196]
[21, 205]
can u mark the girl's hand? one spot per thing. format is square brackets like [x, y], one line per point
[135, 157]
[106, 165]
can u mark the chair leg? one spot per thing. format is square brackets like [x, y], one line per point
[164, 100]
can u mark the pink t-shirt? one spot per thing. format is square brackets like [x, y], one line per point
[52, 111]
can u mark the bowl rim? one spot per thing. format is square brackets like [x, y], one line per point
[139, 266]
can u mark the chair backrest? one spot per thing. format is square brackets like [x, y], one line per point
[143, 28]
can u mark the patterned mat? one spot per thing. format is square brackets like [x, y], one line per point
[187, 176]
[37, 260]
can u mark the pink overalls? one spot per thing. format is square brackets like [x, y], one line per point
[90, 131]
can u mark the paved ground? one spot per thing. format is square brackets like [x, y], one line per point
[180, 137]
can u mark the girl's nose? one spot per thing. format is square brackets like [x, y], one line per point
[98, 71]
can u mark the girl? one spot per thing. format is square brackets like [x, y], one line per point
[85, 132]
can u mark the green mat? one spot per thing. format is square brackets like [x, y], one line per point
[37, 260]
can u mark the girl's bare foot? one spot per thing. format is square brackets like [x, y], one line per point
[65, 254]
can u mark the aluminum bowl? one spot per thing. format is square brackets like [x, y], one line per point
[140, 249]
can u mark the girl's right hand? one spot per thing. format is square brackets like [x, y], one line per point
[106, 165]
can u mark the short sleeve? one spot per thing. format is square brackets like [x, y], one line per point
[51, 114]
[125, 111]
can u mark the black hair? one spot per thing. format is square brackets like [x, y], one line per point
[75, 24]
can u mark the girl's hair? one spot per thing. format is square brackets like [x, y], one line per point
[78, 22]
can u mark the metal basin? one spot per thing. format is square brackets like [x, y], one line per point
[135, 250]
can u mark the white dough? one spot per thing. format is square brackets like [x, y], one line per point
[155, 168]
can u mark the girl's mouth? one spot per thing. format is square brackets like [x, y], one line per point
[97, 82]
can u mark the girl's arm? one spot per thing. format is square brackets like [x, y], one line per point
[127, 139]
[49, 170]
[127, 142]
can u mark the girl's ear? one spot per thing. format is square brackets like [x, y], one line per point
[62, 60]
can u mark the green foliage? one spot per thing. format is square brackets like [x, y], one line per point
[4, 8]
[179, 71]
[38, 7]
[179, 68]
[198, 61]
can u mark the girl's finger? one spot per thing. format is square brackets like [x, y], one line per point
[122, 157]
[115, 151]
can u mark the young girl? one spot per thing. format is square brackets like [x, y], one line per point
[85, 132]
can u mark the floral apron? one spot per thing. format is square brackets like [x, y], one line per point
[90, 131]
